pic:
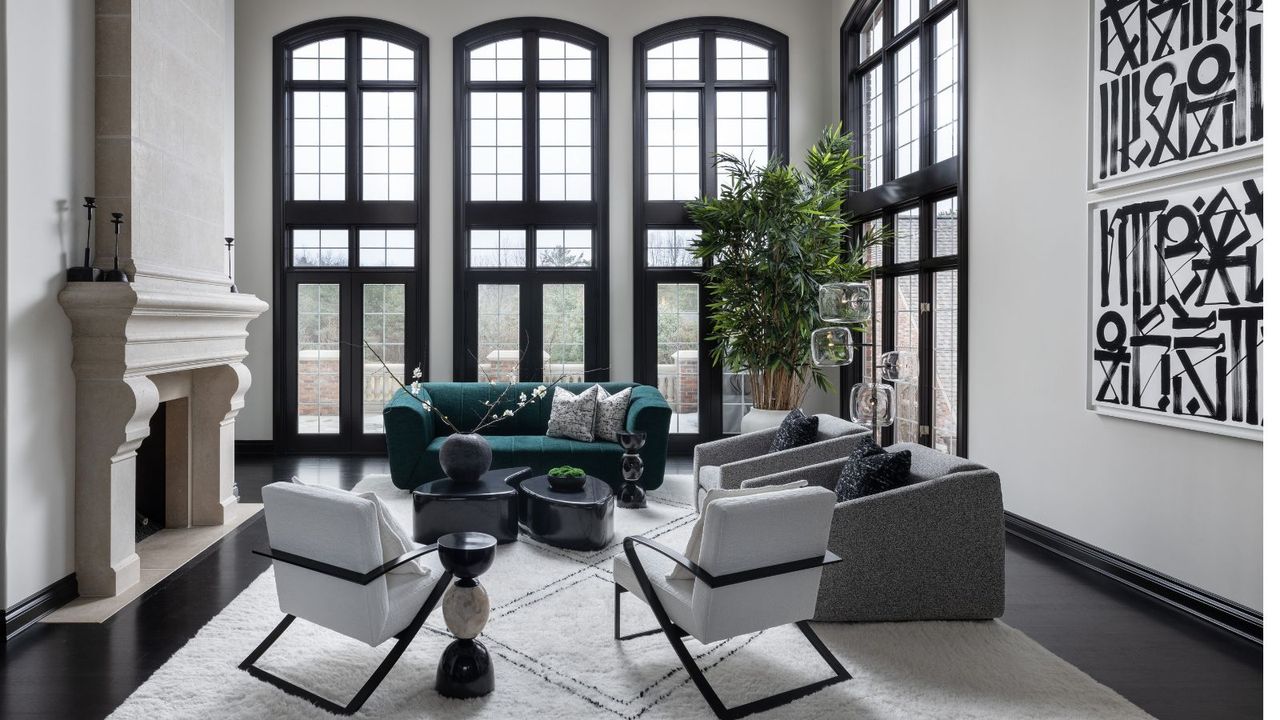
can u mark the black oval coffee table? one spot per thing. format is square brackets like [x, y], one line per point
[578, 520]
[488, 505]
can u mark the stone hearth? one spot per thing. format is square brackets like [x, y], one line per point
[133, 349]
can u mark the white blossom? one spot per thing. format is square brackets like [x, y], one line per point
[508, 413]
[523, 397]
[417, 373]
[415, 387]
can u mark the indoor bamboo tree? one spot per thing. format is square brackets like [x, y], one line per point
[776, 234]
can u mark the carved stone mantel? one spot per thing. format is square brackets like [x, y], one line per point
[132, 349]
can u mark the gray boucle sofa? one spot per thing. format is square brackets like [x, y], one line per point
[932, 550]
[729, 462]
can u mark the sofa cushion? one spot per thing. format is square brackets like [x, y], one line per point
[394, 539]
[709, 477]
[795, 431]
[573, 416]
[611, 413]
[693, 548]
[870, 470]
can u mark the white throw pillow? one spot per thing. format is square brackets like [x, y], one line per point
[394, 540]
[573, 416]
[694, 547]
[611, 413]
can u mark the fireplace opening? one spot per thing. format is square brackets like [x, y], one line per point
[149, 480]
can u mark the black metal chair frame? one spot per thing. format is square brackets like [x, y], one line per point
[403, 638]
[675, 634]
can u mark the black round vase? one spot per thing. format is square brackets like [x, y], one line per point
[464, 670]
[465, 456]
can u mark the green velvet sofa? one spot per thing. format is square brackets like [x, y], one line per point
[414, 435]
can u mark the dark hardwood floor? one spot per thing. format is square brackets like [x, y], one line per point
[1172, 666]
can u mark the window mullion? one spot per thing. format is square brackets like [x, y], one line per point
[530, 135]
[353, 116]
[708, 120]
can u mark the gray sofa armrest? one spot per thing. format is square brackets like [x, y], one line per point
[818, 475]
[733, 474]
[934, 544]
[727, 450]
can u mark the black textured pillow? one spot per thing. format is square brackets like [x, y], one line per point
[796, 430]
[870, 470]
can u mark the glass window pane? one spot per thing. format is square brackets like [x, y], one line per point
[382, 60]
[907, 106]
[564, 145]
[875, 253]
[906, 340]
[498, 332]
[501, 60]
[946, 68]
[386, 248]
[946, 361]
[742, 128]
[674, 146]
[670, 247]
[906, 235]
[739, 60]
[678, 353]
[319, 248]
[383, 329]
[497, 142]
[905, 12]
[873, 128]
[563, 332]
[945, 228]
[560, 60]
[735, 400]
[872, 33]
[387, 159]
[320, 60]
[497, 248]
[319, 145]
[874, 337]
[676, 60]
[564, 248]
[319, 368]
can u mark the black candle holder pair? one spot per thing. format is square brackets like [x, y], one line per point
[87, 272]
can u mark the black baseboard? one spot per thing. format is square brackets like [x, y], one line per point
[26, 613]
[1202, 604]
[255, 447]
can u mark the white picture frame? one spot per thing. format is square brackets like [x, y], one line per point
[1225, 60]
[1180, 317]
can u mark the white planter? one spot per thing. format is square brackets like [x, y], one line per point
[757, 419]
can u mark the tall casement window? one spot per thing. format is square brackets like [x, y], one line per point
[531, 199]
[702, 85]
[903, 97]
[350, 226]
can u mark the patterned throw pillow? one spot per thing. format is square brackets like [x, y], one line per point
[573, 416]
[870, 470]
[796, 430]
[611, 413]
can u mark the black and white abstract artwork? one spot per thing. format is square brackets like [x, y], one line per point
[1176, 84]
[1175, 327]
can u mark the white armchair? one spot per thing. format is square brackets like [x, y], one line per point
[758, 567]
[726, 463]
[326, 549]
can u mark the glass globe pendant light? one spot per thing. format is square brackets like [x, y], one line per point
[845, 302]
[831, 346]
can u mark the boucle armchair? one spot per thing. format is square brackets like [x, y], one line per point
[932, 550]
[729, 462]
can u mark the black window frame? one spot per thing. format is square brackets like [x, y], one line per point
[671, 215]
[530, 213]
[351, 214]
[930, 183]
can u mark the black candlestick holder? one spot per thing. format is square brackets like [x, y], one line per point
[231, 275]
[631, 494]
[86, 272]
[115, 274]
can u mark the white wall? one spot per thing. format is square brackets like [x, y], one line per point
[806, 22]
[49, 167]
[1188, 504]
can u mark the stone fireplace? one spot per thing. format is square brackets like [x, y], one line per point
[133, 349]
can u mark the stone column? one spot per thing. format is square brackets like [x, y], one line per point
[112, 418]
[217, 394]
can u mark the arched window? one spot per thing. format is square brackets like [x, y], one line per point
[702, 85]
[350, 225]
[531, 198]
[903, 98]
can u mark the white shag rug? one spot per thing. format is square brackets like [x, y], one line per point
[551, 636]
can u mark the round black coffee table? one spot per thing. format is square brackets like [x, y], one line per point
[578, 520]
[489, 505]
